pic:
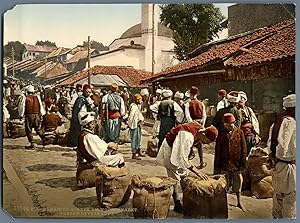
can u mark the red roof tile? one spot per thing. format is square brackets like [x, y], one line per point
[265, 49]
[130, 75]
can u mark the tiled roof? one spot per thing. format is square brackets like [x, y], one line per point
[77, 56]
[55, 71]
[37, 48]
[130, 75]
[266, 43]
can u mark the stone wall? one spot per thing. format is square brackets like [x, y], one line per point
[247, 17]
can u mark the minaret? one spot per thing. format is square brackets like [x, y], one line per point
[150, 20]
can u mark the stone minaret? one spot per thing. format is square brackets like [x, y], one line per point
[149, 34]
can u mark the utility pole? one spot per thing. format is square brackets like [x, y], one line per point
[13, 61]
[153, 40]
[89, 64]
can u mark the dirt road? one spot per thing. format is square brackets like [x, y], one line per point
[43, 184]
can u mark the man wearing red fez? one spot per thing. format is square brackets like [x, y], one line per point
[194, 111]
[222, 97]
[230, 155]
[82, 105]
[175, 149]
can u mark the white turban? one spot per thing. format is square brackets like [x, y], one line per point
[5, 82]
[179, 95]
[87, 118]
[243, 95]
[158, 91]
[47, 86]
[144, 91]
[289, 101]
[233, 99]
[167, 93]
[30, 88]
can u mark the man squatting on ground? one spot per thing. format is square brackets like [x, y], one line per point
[93, 149]
[175, 149]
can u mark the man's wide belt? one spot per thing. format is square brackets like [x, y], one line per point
[288, 162]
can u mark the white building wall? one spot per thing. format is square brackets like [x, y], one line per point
[127, 57]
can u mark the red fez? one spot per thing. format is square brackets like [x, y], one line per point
[86, 86]
[229, 118]
[211, 133]
[78, 86]
[194, 90]
[222, 92]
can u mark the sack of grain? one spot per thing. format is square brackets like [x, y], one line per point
[85, 175]
[257, 164]
[263, 188]
[16, 128]
[152, 149]
[125, 136]
[152, 196]
[204, 199]
[112, 186]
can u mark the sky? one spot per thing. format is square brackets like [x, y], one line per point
[68, 25]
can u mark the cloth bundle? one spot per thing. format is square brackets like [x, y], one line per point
[205, 199]
[152, 196]
[16, 128]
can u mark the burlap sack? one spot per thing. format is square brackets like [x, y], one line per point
[85, 176]
[257, 164]
[152, 195]
[125, 136]
[112, 186]
[16, 128]
[205, 199]
[152, 149]
[263, 188]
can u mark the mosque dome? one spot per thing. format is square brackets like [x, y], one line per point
[136, 31]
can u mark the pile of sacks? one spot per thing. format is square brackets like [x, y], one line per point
[260, 175]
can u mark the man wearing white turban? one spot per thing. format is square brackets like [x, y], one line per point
[169, 113]
[282, 145]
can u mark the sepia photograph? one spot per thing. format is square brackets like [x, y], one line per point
[149, 111]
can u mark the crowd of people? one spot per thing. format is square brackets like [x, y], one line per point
[95, 117]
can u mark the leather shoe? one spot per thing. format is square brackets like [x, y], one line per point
[136, 156]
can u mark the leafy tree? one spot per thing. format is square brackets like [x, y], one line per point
[96, 45]
[45, 43]
[193, 25]
[18, 48]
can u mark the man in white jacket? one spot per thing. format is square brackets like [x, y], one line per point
[135, 119]
[282, 145]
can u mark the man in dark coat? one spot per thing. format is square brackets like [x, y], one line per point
[82, 105]
[233, 99]
[230, 155]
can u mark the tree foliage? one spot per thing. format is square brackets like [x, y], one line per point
[193, 25]
[96, 45]
[18, 48]
[45, 43]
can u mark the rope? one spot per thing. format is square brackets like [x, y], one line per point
[155, 210]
